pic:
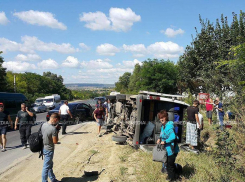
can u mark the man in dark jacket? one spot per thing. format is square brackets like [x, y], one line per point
[24, 118]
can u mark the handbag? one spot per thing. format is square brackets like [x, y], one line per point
[160, 153]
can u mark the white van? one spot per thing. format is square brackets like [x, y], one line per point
[39, 101]
[52, 101]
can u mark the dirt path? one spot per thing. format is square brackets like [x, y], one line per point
[71, 159]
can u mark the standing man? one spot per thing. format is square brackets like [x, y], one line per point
[4, 119]
[24, 117]
[64, 112]
[220, 112]
[191, 129]
[209, 108]
[50, 132]
[108, 107]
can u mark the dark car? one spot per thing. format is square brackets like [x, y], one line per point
[80, 112]
[92, 103]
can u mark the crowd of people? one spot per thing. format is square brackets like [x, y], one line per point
[194, 126]
[101, 115]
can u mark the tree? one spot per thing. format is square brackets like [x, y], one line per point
[135, 80]
[3, 81]
[53, 77]
[198, 65]
[159, 76]
[123, 83]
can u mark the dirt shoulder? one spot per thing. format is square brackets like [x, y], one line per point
[71, 159]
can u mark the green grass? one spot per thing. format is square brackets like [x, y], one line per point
[196, 168]
[94, 152]
[123, 170]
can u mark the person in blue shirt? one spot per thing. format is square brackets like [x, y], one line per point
[168, 138]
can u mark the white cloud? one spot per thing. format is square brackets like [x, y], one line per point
[172, 33]
[107, 49]
[107, 60]
[96, 64]
[40, 18]
[165, 49]
[131, 64]
[48, 64]
[28, 57]
[32, 44]
[139, 55]
[70, 62]
[119, 20]
[158, 50]
[84, 47]
[18, 66]
[3, 19]
[138, 50]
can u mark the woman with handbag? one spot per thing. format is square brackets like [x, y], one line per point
[169, 139]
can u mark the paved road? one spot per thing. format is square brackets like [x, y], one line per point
[14, 148]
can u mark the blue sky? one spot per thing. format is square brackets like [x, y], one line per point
[97, 41]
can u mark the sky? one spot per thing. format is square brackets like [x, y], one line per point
[97, 41]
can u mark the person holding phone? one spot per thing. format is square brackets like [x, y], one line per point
[24, 118]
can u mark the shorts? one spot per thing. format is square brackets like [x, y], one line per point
[3, 130]
[191, 134]
[209, 114]
[101, 122]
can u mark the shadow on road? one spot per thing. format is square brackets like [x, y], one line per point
[15, 147]
[81, 179]
[76, 133]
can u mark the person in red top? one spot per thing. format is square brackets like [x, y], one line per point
[209, 108]
[99, 116]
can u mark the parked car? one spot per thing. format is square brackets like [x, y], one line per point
[80, 112]
[130, 114]
[12, 102]
[92, 103]
[39, 108]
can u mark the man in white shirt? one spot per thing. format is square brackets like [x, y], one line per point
[64, 112]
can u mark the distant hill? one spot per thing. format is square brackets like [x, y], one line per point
[86, 85]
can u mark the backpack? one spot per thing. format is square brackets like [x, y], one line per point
[36, 142]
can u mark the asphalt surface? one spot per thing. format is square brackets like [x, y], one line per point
[14, 148]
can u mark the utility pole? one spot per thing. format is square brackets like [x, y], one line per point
[14, 85]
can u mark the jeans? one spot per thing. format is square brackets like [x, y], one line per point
[48, 166]
[221, 119]
[64, 118]
[25, 132]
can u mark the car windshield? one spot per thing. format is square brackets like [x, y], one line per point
[91, 102]
[48, 100]
[39, 101]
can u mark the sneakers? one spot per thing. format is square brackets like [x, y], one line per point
[164, 170]
[24, 147]
[3, 150]
[64, 133]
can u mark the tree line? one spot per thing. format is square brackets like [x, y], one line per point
[214, 62]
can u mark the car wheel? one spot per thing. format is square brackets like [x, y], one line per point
[119, 139]
[76, 120]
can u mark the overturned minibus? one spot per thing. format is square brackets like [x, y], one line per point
[134, 117]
